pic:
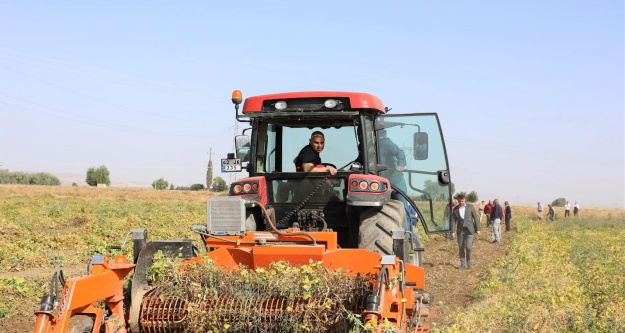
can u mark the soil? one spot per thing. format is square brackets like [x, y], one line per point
[452, 288]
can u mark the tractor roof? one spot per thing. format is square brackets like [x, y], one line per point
[357, 100]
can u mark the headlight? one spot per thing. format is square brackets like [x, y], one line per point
[330, 103]
[281, 105]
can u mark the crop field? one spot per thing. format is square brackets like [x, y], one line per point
[565, 276]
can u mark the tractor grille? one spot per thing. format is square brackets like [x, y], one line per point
[226, 216]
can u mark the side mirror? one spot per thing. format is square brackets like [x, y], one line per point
[242, 147]
[420, 150]
[443, 177]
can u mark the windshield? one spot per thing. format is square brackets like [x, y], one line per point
[282, 143]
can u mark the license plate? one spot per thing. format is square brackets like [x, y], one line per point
[231, 165]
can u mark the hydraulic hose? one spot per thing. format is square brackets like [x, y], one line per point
[273, 227]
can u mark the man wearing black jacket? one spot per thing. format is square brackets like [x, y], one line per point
[465, 225]
[495, 218]
[508, 216]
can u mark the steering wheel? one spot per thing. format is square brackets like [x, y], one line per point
[348, 164]
[329, 164]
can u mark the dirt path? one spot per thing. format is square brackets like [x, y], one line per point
[451, 287]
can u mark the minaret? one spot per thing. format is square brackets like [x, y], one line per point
[209, 171]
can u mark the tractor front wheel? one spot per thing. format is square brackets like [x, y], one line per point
[376, 225]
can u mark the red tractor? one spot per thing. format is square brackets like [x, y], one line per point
[356, 213]
[385, 163]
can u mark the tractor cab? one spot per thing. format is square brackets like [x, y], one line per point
[379, 157]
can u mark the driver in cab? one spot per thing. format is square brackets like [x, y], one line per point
[308, 159]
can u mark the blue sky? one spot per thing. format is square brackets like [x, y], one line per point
[530, 93]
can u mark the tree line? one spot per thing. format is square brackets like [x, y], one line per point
[101, 175]
[218, 185]
[39, 178]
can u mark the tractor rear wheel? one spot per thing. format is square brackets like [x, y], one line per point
[376, 225]
[80, 324]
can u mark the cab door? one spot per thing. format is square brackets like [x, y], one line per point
[413, 149]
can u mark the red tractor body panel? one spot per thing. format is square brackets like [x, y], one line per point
[357, 100]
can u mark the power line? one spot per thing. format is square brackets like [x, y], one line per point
[124, 78]
[92, 97]
[87, 120]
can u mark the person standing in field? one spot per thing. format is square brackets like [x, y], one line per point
[481, 210]
[465, 225]
[449, 211]
[488, 209]
[567, 209]
[552, 212]
[508, 216]
[394, 158]
[575, 209]
[540, 211]
[496, 217]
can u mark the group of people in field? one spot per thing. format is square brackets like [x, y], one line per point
[551, 213]
[465, 223]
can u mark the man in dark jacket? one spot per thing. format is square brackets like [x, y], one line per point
[488, 209]
[508, 216]
[465, 225]
[496, 217]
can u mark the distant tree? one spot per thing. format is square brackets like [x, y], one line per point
[74, 184]
[197, 187]
[432, 190]
[472, 197]
[40, 178]
[160, 184]
[98, 176]
[219, 185]
[559, 202]
[182, 188]
[44, 178]
[20, 178]
[435, 191]
[171, 186]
